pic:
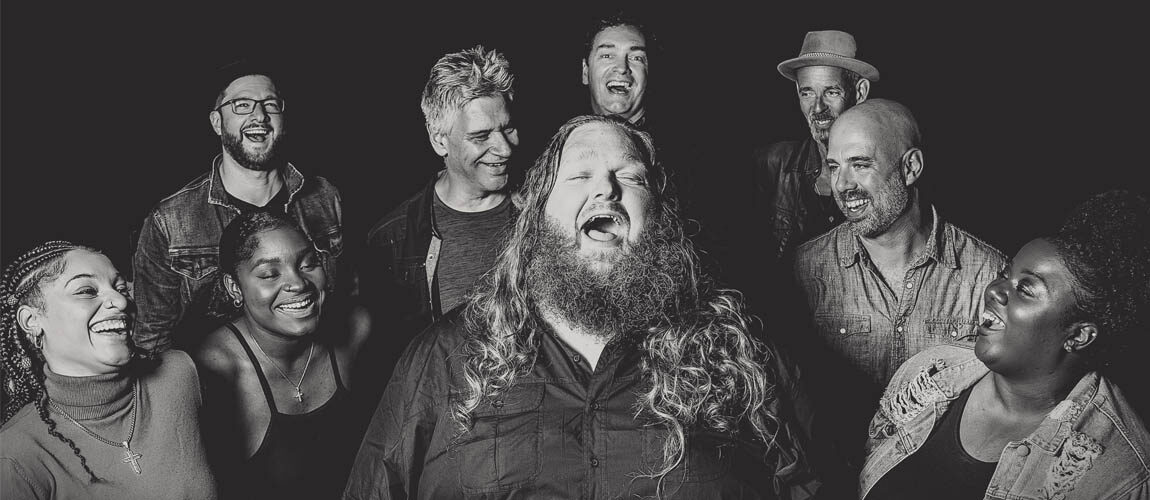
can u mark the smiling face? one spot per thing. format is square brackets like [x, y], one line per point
[85, 318]
[867, 176]
[1023, 326]
[250, 140]
[824, 94]
[478, 145]
[282, 284]
[601, 197]
[616, 72]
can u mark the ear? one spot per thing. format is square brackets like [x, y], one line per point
[28, 318]
[217, 121]
[1082, 334]
[862, 90]
[438, 141]
[912, 163]
[585, 80]
[232, 287]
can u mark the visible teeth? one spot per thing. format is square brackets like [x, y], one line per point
[110, 325]
[856, 204]
[989, 319]
[295, 306]
[623, 85]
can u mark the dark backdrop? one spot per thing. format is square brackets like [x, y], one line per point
[104, 109]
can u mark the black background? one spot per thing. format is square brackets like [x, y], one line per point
[105, 108]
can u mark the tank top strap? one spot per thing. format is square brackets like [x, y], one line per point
[259, 369]
[335, 370]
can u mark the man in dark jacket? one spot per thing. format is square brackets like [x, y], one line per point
[176, 261]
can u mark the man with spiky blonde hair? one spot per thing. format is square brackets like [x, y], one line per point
[431, 249]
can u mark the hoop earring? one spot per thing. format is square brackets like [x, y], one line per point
[1067, 347]
[238, 302]
[36, 340]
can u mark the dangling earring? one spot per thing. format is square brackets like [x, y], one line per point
[36, 340]
[238, 302]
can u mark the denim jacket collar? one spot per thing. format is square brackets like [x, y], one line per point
[939, 245]
[218, 195]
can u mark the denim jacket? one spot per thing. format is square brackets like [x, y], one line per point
[1091, 446]
[177, 257]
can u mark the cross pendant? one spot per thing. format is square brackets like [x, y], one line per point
[131, 458]
[298, 394]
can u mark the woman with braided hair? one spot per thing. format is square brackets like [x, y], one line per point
[84, 417]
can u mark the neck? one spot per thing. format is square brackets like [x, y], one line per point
[252, 186]
[278, 347]
[1033, 394]
[586, 344]
[463, 197]
[904, 240]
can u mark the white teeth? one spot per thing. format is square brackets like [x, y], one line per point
[623, 85]
[989, 320]
[110, 325]
[297, 306]
[856, 204]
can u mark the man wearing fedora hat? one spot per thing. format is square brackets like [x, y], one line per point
[791, 185]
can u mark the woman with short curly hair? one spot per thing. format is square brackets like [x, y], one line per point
[1032, 412]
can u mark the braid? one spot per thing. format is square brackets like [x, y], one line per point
[21, 363]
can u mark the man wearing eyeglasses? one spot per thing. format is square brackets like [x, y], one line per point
[176, 259]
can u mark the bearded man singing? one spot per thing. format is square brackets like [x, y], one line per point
[594, 361]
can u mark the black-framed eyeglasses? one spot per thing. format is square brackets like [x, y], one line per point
[245, 106]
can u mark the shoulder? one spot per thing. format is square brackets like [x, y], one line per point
[773, 155]
[217, 354]
[933, 362]
[387, 227]
[972, 250]
[431, 353]
[1120, 425]
[192, 192]
[175, 373]
[823, 245]
[319, 186]
[19, 427]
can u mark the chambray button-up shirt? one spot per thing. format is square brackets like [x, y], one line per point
[873, 327]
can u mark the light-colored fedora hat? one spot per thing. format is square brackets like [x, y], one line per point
[828, 48]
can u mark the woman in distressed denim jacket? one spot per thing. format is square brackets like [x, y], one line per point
[1030, 413]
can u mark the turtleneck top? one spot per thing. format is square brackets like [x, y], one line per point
[173, 464]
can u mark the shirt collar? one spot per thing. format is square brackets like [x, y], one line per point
[939, 244]
[217, 195]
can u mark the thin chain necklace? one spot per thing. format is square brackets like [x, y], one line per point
[130, 457]
[298, 391]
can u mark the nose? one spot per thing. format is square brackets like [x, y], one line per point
[258, 113]
[295, 281]
[502, 143]
[820, 104]
[996, 291]
[606, 187]
[117, 300]
[843, 179]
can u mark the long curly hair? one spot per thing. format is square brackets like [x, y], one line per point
[702, 367]
[21, 361]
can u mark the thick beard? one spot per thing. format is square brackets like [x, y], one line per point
[887, 205]
[260, 162]
[639, 289]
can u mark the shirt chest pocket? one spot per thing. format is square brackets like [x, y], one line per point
[955, 331]
[194, 263]
[502, 450]
[847, 334]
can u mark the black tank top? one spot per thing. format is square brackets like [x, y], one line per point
[941, 468]
[301, 456]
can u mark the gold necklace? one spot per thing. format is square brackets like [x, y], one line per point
[130, 457]
[298, 391]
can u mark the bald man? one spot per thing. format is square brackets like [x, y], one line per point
[894, 278]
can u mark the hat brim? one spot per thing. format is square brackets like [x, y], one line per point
[790, 66]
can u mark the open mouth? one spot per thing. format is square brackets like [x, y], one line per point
[991, 322]
[301, 305]
[856, 205]
[498, 168]
[113, 327]
[604, 227]
[257, 134]
[619, 87]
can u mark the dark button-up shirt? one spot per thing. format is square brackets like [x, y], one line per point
[562, 431]
[875, 328]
